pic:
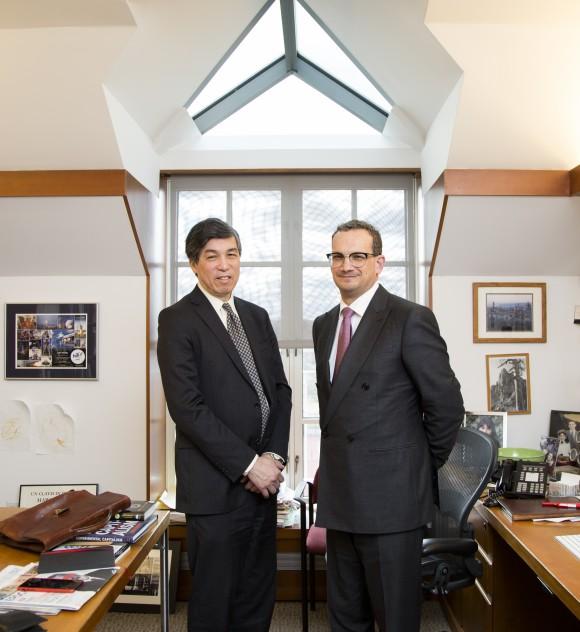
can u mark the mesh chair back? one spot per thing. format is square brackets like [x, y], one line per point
[461, 481]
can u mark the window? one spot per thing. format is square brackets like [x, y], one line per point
[285, 224]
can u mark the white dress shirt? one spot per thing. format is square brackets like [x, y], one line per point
[359, 307]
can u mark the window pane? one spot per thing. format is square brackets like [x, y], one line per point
[257, 218]
[311, 450]
[261, 46]
[192, 207]
[309, 395]
[186, 281]
[386, 211]
[322, 212]
[262, 286]
[319, 294]
[395, 280]
[316, 45]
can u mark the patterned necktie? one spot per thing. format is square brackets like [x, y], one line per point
[240, 340]
[344, 336]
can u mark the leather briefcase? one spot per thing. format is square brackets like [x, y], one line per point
[59, 519]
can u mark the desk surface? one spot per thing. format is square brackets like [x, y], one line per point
[91, 613]
[536, 544]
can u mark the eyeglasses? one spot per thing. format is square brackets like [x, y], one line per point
[357, 259]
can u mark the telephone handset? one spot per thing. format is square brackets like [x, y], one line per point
[523, 479]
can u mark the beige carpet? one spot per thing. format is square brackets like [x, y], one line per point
[286, 619]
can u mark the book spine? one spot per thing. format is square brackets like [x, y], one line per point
[130, 516]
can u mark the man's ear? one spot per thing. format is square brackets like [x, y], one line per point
[193, 267]
[380, 263]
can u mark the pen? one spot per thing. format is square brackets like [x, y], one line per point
[562, 505]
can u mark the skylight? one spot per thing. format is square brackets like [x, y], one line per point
[286, 40]
[291, 107]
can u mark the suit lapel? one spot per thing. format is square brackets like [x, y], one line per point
[361, 345]
[208, 314]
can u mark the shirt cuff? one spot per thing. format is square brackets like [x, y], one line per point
[247, 470]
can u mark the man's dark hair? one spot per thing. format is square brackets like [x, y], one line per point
[202, 232]
[358, 224]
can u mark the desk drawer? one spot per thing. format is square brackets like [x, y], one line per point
[486, 580]
[481, 530]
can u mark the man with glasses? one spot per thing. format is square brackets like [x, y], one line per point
[390, 408]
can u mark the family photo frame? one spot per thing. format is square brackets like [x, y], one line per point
[509, 312]
[51, 341]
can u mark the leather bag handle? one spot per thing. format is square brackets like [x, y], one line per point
[101, 522]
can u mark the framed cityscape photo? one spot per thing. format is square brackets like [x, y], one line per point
[491, 423]
[508, 383]
[509, 312]
[47, 341]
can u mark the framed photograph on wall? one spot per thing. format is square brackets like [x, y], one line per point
[51, 341]
[492, 423]
[508, 383]
[509, 312]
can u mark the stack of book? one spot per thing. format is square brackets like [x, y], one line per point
[128, 525]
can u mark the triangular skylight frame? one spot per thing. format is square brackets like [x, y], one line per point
[292, 62]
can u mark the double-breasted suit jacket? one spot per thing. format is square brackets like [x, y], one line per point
[387, 420]
[213, 403]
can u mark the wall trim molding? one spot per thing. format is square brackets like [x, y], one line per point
[575, 181]
[507, 182]
[65, 183]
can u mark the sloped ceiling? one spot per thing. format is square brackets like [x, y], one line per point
[520, 98]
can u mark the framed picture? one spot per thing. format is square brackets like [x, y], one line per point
[549, 446]
[509, 312]
[491, 423]
[565, 428]
[141, 594]
[31, 495]
[508, 383]
[51, 341]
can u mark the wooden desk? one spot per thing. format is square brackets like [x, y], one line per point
[91, 613]
[530, 581]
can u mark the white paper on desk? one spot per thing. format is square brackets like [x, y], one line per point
[563, 519]
[570, 479]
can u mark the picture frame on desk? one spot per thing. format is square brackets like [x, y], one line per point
[32, 495]
[508, 383]
[509, 312]
[565, 427]
[492, 423]
[141, 594]
[51, 341]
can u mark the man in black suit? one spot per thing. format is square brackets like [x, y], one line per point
[390, 408]
[228, 396]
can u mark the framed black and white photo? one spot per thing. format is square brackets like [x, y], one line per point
[508, 383]
[491, 423]
[142, 592]
[51, 341]
[565, 428]
[509, 312]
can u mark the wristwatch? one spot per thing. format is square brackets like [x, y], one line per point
[276, 457]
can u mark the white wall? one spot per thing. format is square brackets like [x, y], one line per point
[110, 413]
[554, 366]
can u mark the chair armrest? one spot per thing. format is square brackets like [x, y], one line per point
[457, 546]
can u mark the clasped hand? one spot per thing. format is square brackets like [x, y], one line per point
[265, 476]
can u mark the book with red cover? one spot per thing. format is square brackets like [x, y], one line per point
[530, 508]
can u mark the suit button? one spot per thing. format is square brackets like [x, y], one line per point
[324, 434]
[365, 386]
[349, 438]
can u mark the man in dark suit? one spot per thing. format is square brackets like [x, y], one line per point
[228, 396]
[390, 408]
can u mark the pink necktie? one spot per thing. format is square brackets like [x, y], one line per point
[344, 336]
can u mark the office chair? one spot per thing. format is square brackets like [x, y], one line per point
[312, 543]
[448, 559]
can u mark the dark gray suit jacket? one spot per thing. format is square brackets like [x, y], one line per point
[213, 403]
[388, 419]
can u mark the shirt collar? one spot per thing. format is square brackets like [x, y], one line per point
[216, 302]
[359, 306]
